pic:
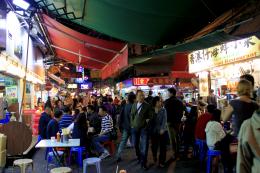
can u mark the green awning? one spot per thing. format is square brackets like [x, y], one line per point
[212, 39]
[149, 22]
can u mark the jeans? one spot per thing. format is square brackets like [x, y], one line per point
[174, 138]
[141, 143]
[125, 135]
[97, 140]
[159, 140]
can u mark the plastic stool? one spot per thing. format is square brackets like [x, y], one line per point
[211, 153]
[111, 146]
[79, 151]
[92, 161]
[23, 163]
[50, 157]
[61, 170]
[202, 149]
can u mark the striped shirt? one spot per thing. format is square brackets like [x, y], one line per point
[65, 121]
[106, 124]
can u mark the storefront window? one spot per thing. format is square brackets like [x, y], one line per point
[9, 89]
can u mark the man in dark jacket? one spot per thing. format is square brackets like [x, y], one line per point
[124, 124]
[93, 119]
[149, 98]
[175, 109]
[141, 114]
[43, 122]
[53, 125]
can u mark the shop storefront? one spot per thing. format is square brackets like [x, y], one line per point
[220, 67]
[155, 84]
[14, 60]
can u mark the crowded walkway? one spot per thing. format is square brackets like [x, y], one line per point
[129, 86]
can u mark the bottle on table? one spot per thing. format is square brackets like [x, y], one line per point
[58, 137]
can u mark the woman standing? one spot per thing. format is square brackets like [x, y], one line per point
[159, 131]
[80, 129]
[242, 108]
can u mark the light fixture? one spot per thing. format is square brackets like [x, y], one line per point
[22, 4]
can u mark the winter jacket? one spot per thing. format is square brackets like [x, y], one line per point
[248, 155]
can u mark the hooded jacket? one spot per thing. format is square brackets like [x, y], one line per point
[248, 155]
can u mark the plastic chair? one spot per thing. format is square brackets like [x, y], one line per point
[211, 153]
[79, 151]
[92, 161]
[50, 157]
[200, 149]
[111, 146]
[61, 170]
[23, 163]
[39, 138]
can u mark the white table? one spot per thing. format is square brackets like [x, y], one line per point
[47, 143]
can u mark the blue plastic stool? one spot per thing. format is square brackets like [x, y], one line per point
[79, 151]
[200, 149]
[211, 153]
[51, 158]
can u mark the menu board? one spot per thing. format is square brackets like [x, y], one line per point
[11, 91]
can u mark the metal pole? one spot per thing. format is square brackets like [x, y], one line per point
[26, 67]
[93, 59]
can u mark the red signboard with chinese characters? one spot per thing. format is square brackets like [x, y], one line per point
[140, 81]
[152, 81]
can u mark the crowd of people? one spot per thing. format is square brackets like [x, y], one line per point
[152, 121]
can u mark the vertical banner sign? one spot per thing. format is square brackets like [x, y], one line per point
[203, 84]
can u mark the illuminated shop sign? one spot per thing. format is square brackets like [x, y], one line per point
[86, 86]
[223, 54]
[72, 86]
[152, 81]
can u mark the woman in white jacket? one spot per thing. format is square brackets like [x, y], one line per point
[214, 134]
[214, 130]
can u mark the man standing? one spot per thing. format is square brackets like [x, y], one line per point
[149, 98]
[174, 108]
[43, 122]
[141, 114]
[212, 98]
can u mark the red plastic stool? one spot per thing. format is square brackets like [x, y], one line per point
[111, 146]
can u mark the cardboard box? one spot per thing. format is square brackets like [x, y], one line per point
[3, 139]
[2, 158]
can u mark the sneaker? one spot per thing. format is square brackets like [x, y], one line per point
[104, 155]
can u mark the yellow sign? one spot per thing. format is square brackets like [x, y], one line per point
[203, 84]
[223, 54]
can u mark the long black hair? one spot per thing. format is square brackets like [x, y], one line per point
[81, 121]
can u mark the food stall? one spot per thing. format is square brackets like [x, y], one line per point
[155, 84]
[220, 67]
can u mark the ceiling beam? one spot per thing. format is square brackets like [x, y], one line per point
[75, 53]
